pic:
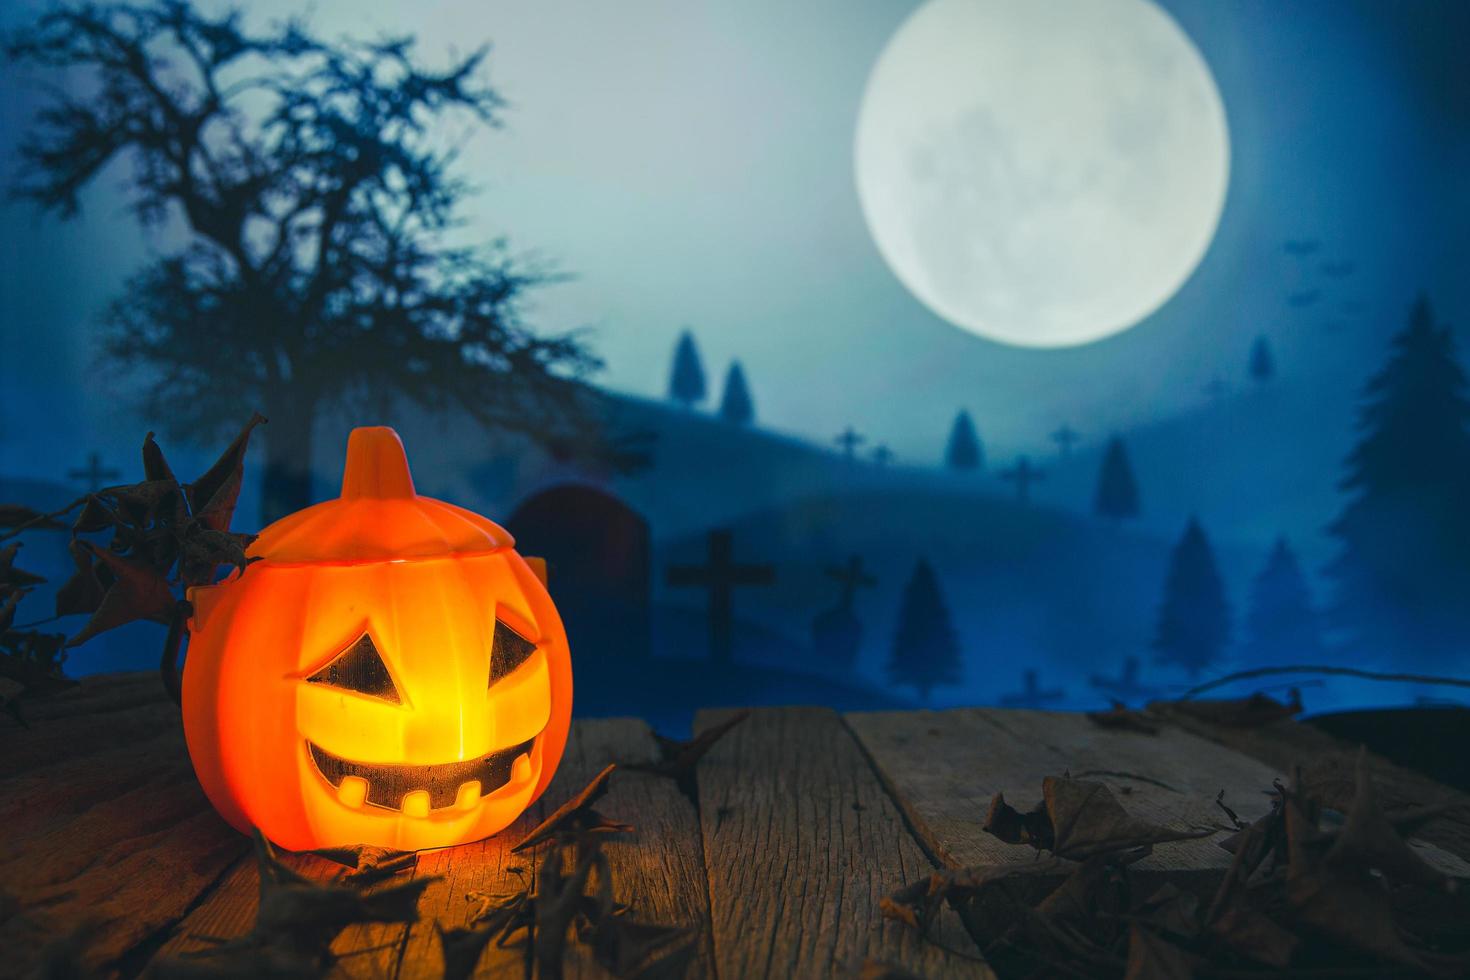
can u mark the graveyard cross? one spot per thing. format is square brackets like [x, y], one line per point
[1065, 438]
[849, 441]
[851, 577]
[720, 576]
[94, 474]
[1033, 696]
[1023, 474]
[882, 455]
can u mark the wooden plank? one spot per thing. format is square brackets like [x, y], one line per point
[658, 871]
[801, 843]
[1329, 770]
[105, 824]
[945, 766]
[370, 950]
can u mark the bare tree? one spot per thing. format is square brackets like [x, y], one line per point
[316, 193]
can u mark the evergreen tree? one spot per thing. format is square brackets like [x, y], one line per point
[1194, 620]
[686, 380]
[736, 406]
[1401, 580]
[964, 451]
[926, 651]
[1117, 490]
[1281, 625]
[1262, 362]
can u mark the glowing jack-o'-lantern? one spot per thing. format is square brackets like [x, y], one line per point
[388, 672]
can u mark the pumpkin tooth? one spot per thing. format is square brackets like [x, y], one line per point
[416, 803]
[520, 770]
[353, 791]
[469, 795]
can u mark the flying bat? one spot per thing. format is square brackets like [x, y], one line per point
[1302, 247]
[1304, 298]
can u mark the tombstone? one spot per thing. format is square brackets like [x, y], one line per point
[837, 633]
[597, 553]
[1032, 696]
[719, 577]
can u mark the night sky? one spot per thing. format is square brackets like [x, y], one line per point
[692, 165]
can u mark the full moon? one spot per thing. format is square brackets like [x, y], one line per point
[1043, 173]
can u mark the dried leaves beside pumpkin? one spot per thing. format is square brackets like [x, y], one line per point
[135, 548]
[1304, 892]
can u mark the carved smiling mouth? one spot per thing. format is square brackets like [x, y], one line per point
[418, 789]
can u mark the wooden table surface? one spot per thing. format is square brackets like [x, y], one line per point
[802, 819]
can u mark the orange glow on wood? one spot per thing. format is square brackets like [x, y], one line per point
[440, 728]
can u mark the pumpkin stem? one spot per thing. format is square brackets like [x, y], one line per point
[376, 465]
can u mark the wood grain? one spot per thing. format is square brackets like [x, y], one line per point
[801, 843]
[108, 830]
[1329, 771]
[947, 765]
[658, 871]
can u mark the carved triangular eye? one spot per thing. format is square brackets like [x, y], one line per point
[360, 668]
[508, 650]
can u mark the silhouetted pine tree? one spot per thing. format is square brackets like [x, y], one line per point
[1262, 363]
[926, 652]
[735, 406]
[1401, 582]
[1117, 491]
[1194, 620]
[686, 379]
[964, 451]
[1281, 625]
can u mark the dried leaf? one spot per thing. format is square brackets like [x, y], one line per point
[137, 592]
[155, 467]
[1151, 957]
[95, 516]
[212, 497]
[146, 503]
[82, 593]
[1170, 911]
[370, 864]
[1122, 718]
[576, 816]
[680, 757]
[1253, 935]
[12, 577]
[1014, 827]
[1086, 820]
[880, 970]
[1369, 840]
[628, 948]
[16, 515]
[1255, 711]
[462, 949]
[7, 609]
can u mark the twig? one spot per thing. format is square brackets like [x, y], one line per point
[43, 518]
[168, 664]
[33, 624]
[1371, 675]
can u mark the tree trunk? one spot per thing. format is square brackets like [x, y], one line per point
[286, 486]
